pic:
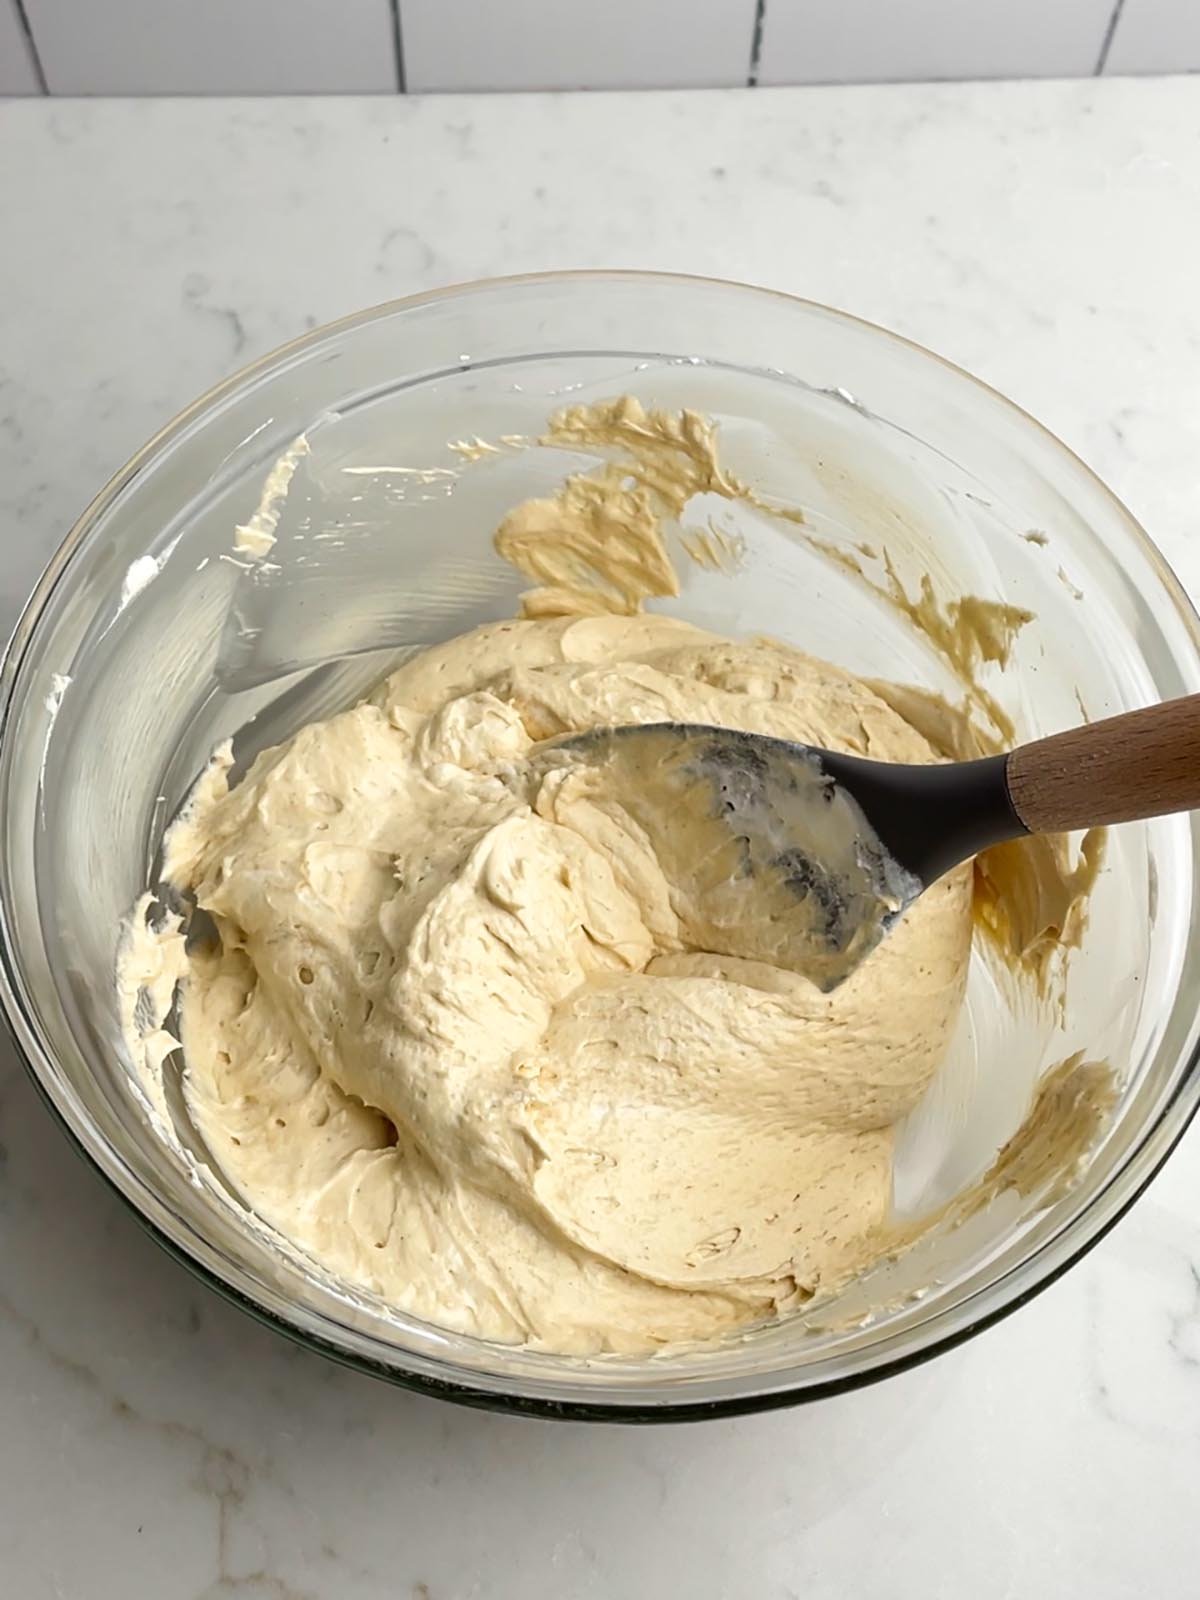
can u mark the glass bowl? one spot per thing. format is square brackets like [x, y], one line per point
[150, 639]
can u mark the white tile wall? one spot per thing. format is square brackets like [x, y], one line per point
[17, 72]
[1156, 36]
[349, 46]
[576, 44]
[835, 41]
[214, 46]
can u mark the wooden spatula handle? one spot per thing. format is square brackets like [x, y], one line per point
[1141, 764]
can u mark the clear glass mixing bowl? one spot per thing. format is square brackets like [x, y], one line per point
[149, 640]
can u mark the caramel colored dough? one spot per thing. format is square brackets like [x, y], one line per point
[452, 1040]
[453, 1044]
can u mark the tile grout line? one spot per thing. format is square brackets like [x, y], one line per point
[1109, 35]
[398, 46]
[760, 14]
[38, 70]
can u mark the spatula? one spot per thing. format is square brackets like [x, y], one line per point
[805, 857]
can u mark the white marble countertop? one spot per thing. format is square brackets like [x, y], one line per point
[155, 1442]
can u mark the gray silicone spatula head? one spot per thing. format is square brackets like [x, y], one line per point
[767, 856]
[805, 858]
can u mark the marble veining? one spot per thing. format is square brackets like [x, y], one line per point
[1043, 235]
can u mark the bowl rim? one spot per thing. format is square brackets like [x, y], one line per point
[1128, 1181]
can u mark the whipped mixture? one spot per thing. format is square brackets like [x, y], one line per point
[461, 1033]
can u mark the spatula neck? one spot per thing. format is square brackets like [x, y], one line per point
[930, 818]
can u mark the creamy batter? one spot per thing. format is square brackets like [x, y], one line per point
[457, 1035]
[454, 1042]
